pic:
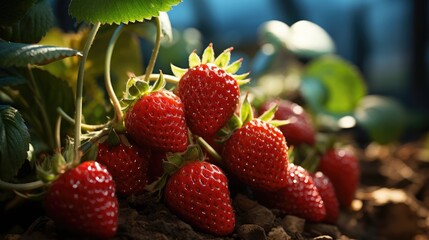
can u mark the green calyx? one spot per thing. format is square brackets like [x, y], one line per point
[137, 87]
[173, 163]
[246, 115]
[221, 61]
[55, 165]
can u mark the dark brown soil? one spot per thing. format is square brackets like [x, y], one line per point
[391, 203]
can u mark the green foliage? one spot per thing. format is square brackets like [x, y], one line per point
[332, 85]
[383, 118]
[38, 101]
[13, 11]
[32, 26]
[111, 11]
[20, 54]
[11, 77]
[14, 142]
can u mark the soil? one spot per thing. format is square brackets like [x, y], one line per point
[392, 202]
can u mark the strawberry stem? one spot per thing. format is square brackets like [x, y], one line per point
[21, 186]
[155, 51]
[79, 92]
[84, 126]
[107, 79]
[211, 151]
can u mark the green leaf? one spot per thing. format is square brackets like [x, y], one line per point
[332, 85]
[159, 83]
[52, 93]
[11, 77]
[178, 72]
[111, 11]
[383, 118]
[14, 142]
[20, 54]
[33, 26]
[13, 11]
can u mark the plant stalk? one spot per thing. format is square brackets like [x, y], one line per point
[21, 186]
[79, 91]
[168, 78]
[107, 78]
[210, 150]
[155, 51]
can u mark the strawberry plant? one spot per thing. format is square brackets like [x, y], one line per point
[189, 141]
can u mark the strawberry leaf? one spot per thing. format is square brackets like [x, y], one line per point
[37, 20]
[20, 54]
[332, 85]
[111, 11]
[13, 11]
[269, 114]
[11, 77]
[14, 142]
[159, 83]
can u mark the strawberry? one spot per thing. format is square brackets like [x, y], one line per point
[83, 200]
[341, 166]
[299, 197]
[300, 129]
[198, 193]
[157, 119]
[128, 166]
[327, 192]
[209, 91]
[256, 154]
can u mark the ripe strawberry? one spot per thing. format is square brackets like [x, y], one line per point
[341, 166]
[300, 129]
[257, 155]
[327, 192]
[83, 200]
[299, 197]
[209, 91]
[157, 120]
[198, 193]
[128, 166]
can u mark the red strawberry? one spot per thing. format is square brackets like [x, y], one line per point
[198, 193]
[83, 200]
[299, 197]
[300, 129]
[155, 165]
[341, 166]
[210, 96]
[257, 155]
[157, 120]
[209, 91]
[128, 166]
[327, 192]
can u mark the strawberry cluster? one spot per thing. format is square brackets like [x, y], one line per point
[191, 142]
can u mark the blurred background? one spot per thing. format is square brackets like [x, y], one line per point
[385, 40]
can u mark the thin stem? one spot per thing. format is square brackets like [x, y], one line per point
[79, 91]
[21, 186]
[155, 51]
[169, 78]
[45, 118]
[58, 135]
[87, 127]
[107, 79]
[210, 150]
